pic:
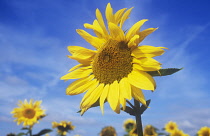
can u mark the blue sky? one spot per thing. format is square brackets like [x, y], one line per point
[33, 40]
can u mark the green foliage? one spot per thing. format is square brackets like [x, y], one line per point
[164, 72]
[21, 134]
[42, 132]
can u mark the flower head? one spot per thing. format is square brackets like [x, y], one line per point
[108, 131]
[129, 124]
[170, 127]
[116, 70]
[149, 130]
[28, 113]
[133, 131]
[204, 131]
[63, 127]
[178, 132]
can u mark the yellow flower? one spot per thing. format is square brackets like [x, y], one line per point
[149, 130]
[170, 127]
[133, 131]
[63, 127]
[204, 131]
[129, 124]
[178, 132]
[108, 131]
[117, 70]
[28, 113]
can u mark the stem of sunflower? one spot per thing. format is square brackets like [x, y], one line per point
[30, 130]
[138, 118]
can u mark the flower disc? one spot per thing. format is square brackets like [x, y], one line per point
[112, 62]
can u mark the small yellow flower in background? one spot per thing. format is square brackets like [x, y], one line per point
[149, 130]
[170, 127]
[63, 127]
[117, 70]
[133, 132]
[108, 131]
[28, 113]
[178, 132]
[204, 131]
[129, 124]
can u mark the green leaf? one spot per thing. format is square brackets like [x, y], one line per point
[21, 134]
[25, 128]
[164, 72]
[42, 132]
[162, 134]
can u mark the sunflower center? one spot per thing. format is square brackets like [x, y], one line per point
[112, 62]
[205, 133]
[171, 127]
[29, 113]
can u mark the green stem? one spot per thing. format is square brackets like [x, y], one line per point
[130, 104]
[30, 130]
[138, 118]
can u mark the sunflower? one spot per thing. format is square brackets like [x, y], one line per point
[108, 131]
[129, 124]
[63, 127]
[116, 70]
[204, 131]
[149, 130]
[133, 131]
[28, 113]
[178, 132]
[170, 127]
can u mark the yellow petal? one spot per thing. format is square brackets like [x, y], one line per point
[95, 41]
[118, 15]
[147, 51]
[75, 67]
[125, 16]
[145, 33]
[79, 86]
[101, 21]
[81, 54]
[90, 90]
[125, 88]
[116, 32]
[90, 99]
[141, 80]
[96, 27]
[109, 13]
[113, 96]
[132, 42]
[117, 110]
[122, 100]
[138, 95]
[146, 64]
[78, 73]
[103, 97]
[135, 29]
